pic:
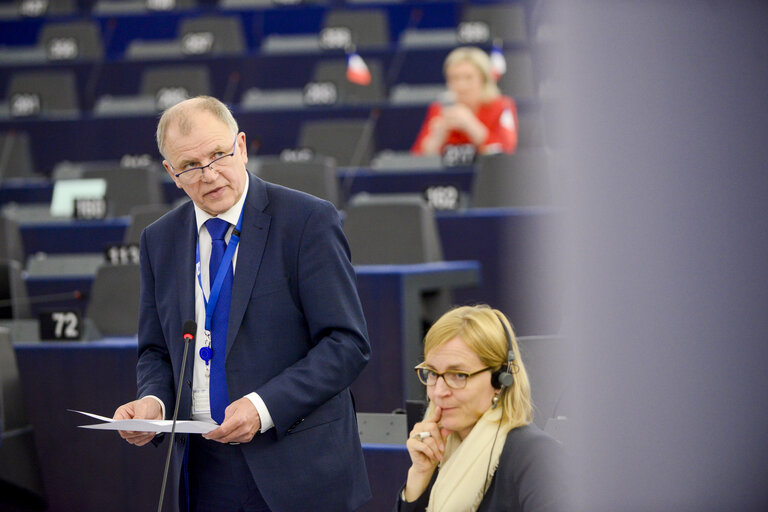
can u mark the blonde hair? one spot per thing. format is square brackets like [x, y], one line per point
[480, 327]
[179, 114]
[482, 62]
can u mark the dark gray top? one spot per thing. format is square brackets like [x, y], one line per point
[530, 476]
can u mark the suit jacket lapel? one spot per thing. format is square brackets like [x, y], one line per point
[253, 239]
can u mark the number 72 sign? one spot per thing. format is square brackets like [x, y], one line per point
[60, 325]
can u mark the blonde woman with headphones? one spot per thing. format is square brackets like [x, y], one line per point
[477, 448]
[474, 113]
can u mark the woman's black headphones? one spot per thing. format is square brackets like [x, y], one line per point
[503, 377]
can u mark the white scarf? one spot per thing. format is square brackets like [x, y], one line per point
[464, 474]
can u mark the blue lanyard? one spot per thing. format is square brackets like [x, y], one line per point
[226, 261]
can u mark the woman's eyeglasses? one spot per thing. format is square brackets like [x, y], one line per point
[453, 379]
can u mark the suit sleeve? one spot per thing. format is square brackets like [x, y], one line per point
[327, 293]
[154, 373]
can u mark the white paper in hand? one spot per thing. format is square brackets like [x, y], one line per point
[182, 426]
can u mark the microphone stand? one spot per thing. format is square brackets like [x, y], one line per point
[188, 337]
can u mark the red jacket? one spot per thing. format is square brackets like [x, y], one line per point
[498, 115]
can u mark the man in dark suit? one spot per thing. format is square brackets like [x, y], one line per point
[275, 372]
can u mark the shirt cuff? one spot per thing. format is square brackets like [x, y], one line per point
[162, 405]
[261, 407]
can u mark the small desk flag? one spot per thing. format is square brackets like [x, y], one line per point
[357, 70]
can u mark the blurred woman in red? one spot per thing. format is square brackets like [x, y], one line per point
[478, 114]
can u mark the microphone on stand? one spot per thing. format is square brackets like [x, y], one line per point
[190, 328]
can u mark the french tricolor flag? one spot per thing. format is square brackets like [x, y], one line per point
[498, 63]
[357, 70]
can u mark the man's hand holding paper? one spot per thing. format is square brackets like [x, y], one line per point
[146, 408]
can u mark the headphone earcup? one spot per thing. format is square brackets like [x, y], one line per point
[502, 379]
[506, 379]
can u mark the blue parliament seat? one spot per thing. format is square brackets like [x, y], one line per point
[348, 141]
[350, 93]
[122, 7]
[58, 42]
[409, 235]
[521, 179]
[141, 217]
[17, 160]
[20, 470]
[547, 361]
[23, 9]
[316, 176]
[46, 94]
[204, 35]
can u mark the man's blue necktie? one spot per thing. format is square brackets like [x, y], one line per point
[218, 385]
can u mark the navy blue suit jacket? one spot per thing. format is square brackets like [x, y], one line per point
[296, 336]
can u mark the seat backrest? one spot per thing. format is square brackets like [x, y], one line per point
[391, 229]
[61, 265]
[348, 92]
[113, 305]
[213, 35]
[348, 141]
[12, 413]
[128, 187]
[405, 161]
[43, 92]
[40, 9]
[518, 81]
[171, 84]
[141, 217]
[506, 22]
[262, 99]
[11, 245]
[521, 179]
[367, 27]
[530, 131]
[140, 7]
[407, 94]
[15, 156]
[380, 428]
[316, 177]
[546, 359]
[13, 291]
[72, 40]
[20, 472]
